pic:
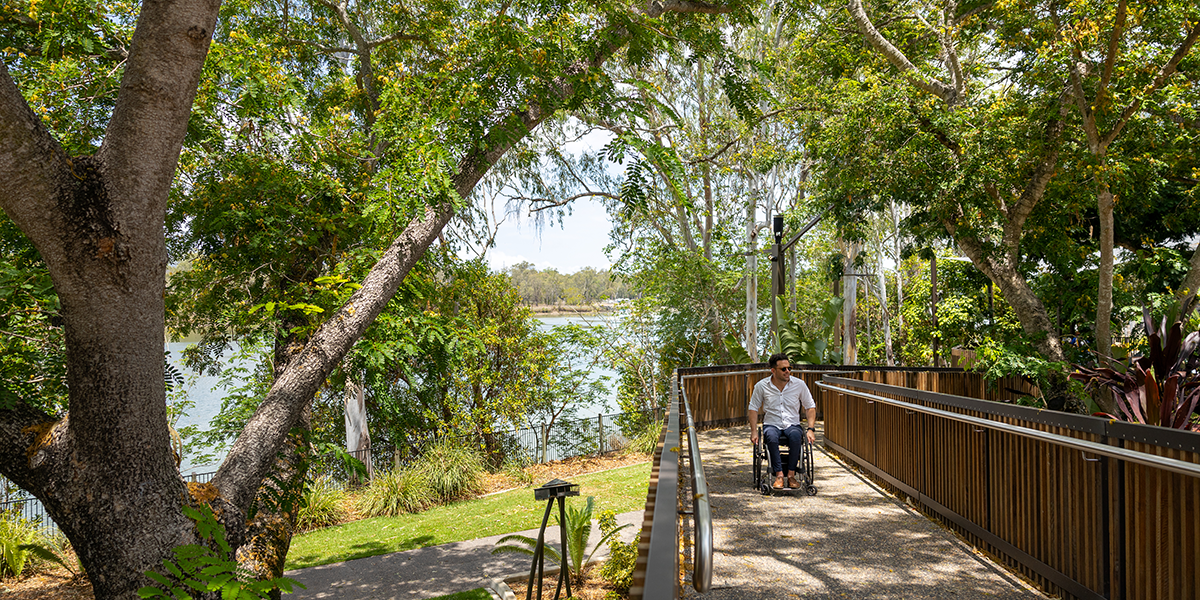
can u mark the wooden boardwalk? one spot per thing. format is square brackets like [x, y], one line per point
[852, 540]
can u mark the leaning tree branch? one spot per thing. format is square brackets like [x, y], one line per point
[30, 161]
[252, 455]
[893, 55]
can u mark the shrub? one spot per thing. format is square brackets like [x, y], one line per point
[14, 532]
[645, 440]
[395, 493]
[622, 556]
[451, 469]
[515, 469]
[322, 505]
[209, 568]
[24, 546]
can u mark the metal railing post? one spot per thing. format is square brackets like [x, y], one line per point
[702, 557]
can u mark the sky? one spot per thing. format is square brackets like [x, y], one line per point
[578, 243]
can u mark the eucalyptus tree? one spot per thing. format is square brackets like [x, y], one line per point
[96, 210]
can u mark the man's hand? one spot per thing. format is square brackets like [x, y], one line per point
[812, 436]
[754, 436]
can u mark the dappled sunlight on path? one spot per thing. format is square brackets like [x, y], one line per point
[850, 541]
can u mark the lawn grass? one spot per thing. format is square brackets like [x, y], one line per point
[622, 490]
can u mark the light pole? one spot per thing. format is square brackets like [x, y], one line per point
[776, 274]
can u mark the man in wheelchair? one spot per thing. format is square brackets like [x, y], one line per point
[779, 398]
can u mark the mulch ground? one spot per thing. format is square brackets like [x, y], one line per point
[593, 588]
[59, 584]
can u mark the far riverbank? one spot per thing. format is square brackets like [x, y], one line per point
[571, 310]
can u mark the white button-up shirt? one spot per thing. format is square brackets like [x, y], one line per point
[781, 408]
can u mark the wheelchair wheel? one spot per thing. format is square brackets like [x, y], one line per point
[757, 468]
[765, 489]
[811, 490]
[807, 464]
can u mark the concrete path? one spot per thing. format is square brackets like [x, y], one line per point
[431, 571]
[851, 540]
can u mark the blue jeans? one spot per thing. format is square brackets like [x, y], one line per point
[793, 436]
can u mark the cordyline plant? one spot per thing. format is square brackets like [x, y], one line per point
[1161, 388]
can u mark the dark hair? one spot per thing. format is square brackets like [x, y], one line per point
[775, 358]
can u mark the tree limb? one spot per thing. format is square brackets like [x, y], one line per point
[141, 145]
[30, 162]
[547, 203]
[1114, 46]
[1159, 80]
[897, 58]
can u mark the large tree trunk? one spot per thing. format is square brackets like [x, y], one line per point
[106, 474]
[1030, 311]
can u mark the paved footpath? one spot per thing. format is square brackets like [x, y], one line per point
[851, 540]
[431, 571]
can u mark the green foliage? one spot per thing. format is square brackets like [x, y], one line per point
[209, 568]
[395, 493]
[645, 438]
[50, 551]
[736, 352]
[15, 533]
[998, 361]
[622, 556]
[24, 546]
[33, 368]
[514, 468]
[803, 349]
[322, 505]
[452, 469]
[578, 529]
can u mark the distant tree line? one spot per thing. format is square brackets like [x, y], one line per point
[585, 286]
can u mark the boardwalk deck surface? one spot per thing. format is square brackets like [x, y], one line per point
[852, 540]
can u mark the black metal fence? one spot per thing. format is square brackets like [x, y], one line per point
[545, 442]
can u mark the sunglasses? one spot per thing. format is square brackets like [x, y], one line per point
[784, 368]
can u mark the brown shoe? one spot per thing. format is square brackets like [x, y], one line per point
[792, 483]
[778, 483]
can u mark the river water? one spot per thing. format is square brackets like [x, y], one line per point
[205, 393]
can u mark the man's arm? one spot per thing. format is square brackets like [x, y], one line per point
[811, 414]
[752, 416]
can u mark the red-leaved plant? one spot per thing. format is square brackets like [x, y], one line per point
[1161, 388]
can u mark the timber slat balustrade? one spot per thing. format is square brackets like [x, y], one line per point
[1078, 524]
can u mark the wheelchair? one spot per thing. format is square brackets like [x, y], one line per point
[763, 477]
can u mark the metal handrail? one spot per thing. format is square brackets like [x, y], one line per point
[1133, 456]
[702, 558]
